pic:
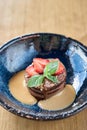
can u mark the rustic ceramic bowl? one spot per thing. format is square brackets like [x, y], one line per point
[18, 53]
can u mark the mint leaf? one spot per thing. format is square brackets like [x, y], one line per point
[35, 81]
[51, 68]
[52, 78]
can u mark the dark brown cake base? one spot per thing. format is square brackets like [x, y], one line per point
[48, 88]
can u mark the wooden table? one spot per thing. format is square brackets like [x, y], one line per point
[18, 17]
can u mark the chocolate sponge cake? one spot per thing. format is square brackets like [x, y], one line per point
[45, 77]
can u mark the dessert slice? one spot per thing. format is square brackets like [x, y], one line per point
[45, 77]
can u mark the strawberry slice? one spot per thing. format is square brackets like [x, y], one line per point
[41, 61]
[60, 69]
[38, 67]
[31, 71]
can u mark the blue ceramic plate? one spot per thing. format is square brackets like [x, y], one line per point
[18, 53]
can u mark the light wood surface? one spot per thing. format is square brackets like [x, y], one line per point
[18, 17]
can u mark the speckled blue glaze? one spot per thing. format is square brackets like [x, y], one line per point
[18, 53]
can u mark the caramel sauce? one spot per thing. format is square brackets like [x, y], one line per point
[61, 100]
[19, 90]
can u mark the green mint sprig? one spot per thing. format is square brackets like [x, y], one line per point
[49, 70]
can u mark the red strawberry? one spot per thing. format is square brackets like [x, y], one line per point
[60, 69]
[38, 67]
[31, 71]
[41, 61]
